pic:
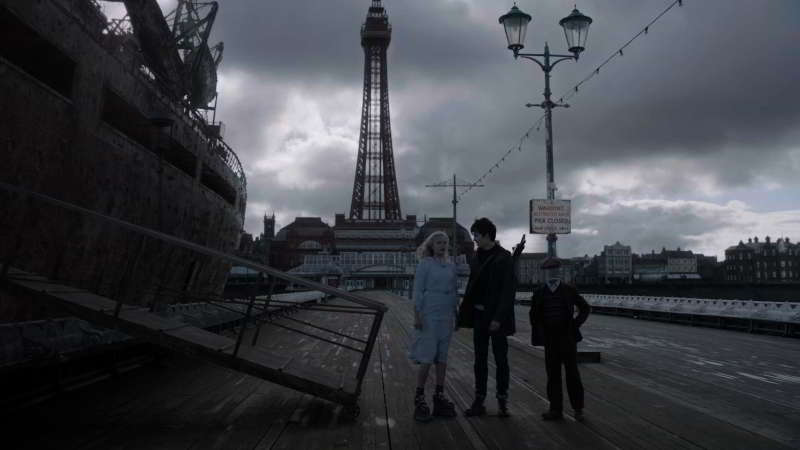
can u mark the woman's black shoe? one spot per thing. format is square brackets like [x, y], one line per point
[443, 407]
[422, 413]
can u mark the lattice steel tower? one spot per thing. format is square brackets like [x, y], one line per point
[375, 196]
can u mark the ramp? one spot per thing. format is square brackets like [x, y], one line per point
[184, 338]
[192, 340]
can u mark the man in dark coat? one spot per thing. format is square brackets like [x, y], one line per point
[554, 325]
[488, 308]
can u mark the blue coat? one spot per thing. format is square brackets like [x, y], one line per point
[436, 300]
[436, 290]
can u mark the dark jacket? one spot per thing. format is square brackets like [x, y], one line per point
[570, 298]
[494, 286]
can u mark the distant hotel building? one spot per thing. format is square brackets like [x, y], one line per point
[649, 267]
[763, 262]
[670, 265]
[614, 264]
[681, 263]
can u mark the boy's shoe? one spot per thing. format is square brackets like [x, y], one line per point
[502, 407]
[443, 407]
[552, 415]
[477, 408]
[422, 413]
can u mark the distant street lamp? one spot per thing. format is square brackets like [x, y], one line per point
[576, 30]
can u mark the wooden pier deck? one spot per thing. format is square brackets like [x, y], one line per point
[190, 404]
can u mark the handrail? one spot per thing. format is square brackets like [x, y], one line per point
[355, 298]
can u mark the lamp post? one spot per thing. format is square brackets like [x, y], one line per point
[576, 29]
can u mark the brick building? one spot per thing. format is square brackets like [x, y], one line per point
[763, 262]
[304, 236]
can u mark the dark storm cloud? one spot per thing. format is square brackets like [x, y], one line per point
[716, 71]
[715, 75]
[321, 41]
[704, 103]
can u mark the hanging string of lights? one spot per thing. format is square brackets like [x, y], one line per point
[568, 94]
[518, 147]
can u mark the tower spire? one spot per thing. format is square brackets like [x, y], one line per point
[375, 194]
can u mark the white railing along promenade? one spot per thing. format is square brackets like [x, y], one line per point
[782, 312]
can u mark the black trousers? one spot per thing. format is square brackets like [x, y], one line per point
[560, 348]
[480, 341]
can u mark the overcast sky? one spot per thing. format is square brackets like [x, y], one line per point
[688, 140]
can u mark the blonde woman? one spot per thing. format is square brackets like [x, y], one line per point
[435, 312]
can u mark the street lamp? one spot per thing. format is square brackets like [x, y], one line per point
[576, 30]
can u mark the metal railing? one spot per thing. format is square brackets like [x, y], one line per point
[258, 311]
[747, 315]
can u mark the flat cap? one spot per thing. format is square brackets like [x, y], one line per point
[551, 263]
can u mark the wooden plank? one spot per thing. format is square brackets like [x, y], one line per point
[262, 357]
[680, 419]
[151, 322]
[522, 342]
[178, 419]
[291, 407]
[19, 274]
[256, 423]
[59, 293]
[200, 338]
[371, 429]
[95, 416]
[740, 378]
[321, 425]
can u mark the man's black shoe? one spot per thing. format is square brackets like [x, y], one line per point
[502, 407]
[443, 407]
[552, 415]
[579, 417]
[477, 409]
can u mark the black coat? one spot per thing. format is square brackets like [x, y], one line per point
[495, 287]
[570, 298]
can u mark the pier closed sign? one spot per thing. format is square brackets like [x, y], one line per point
[550, 216]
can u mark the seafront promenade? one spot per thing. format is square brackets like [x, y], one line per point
[660, 385]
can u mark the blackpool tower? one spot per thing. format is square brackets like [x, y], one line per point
[375, 196]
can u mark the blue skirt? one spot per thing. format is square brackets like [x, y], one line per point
[431, 343]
